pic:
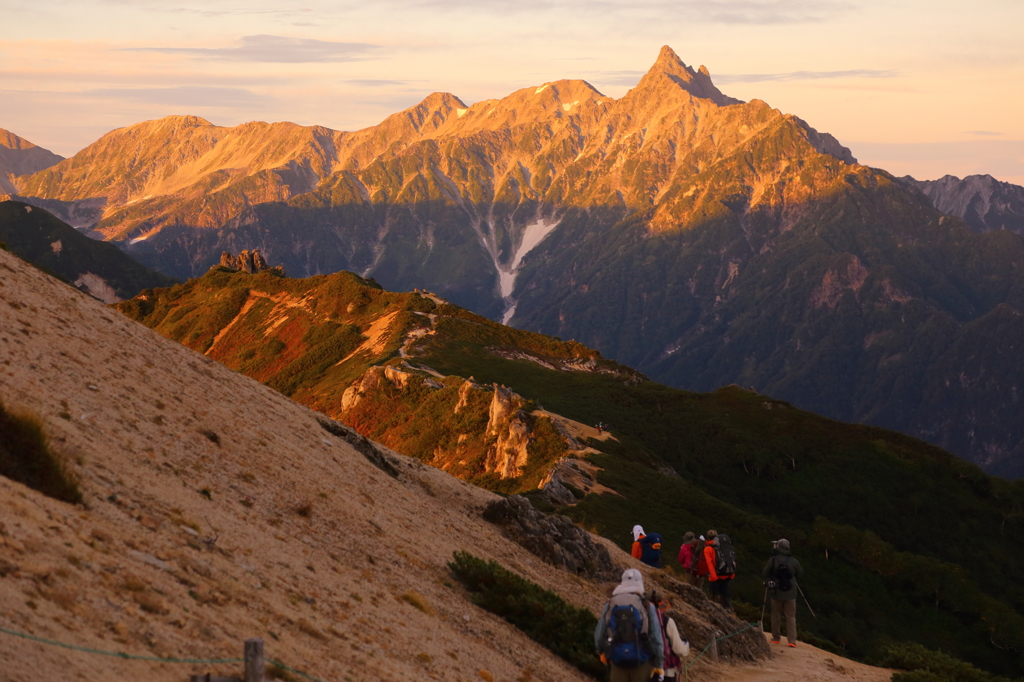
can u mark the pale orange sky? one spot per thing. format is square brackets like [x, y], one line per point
[915, 87]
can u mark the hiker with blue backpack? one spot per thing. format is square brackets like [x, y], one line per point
[780, 574]
[628, 635]
[650, 550]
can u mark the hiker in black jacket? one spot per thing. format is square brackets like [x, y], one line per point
[780, 574]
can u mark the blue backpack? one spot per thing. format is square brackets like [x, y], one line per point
[627, 636]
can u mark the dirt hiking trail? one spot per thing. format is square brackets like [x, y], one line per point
[804, 663]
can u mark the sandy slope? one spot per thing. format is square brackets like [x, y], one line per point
[217, 509]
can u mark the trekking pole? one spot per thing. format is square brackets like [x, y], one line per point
[764, 602]
[806, 602]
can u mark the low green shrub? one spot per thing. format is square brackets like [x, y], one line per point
[545, 617]
[26, 458]
[924, 665]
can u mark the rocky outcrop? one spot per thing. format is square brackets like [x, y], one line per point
[247, 261]
[464, 390]
[552, 537]
[508, 423]
[355, 393]
[555, 491]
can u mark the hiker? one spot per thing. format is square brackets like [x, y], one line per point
[701, 566]
[637, 550]
[721, 560]
[628, 635]
[688, 557]
[780, 575]
[650, 550]
[675, 647]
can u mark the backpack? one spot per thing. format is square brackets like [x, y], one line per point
[627, 644]
[668, 655]
[650, 550]
[783, 578]
[725, 556]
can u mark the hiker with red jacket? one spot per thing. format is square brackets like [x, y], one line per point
[688, 558]
[628, 634]
[721, 560]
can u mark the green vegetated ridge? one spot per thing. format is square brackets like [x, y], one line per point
[901, 541]
[36, 236]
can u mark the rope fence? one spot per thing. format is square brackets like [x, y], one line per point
[715, 640]
[152, 659]
[219, 661]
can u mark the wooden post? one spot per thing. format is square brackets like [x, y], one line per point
[254, 660]
[713, 650]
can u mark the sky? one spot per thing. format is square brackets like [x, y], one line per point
[925, 88]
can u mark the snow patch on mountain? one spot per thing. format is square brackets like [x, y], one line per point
[533, 234]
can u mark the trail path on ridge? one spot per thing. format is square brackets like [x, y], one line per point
[804, 663]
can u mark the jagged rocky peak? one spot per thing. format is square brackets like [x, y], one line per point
[669, 69]
[247, 261]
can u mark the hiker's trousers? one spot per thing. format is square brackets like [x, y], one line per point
[641, 673]
[788, 607]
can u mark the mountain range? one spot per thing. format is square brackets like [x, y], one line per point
[983, 202]
[703, 240]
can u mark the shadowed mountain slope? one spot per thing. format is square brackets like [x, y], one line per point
[101, 269]
[983, 202]
[862, 505]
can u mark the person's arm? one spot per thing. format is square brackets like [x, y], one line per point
[599, 631]
[656, 637]
[637, 551]
[680, 646]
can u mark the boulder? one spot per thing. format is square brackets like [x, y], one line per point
[552, 537]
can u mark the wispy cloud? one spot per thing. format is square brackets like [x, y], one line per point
[374, 82]
[275, 49]
[183, 96]
[983, 133]
[694, 11]
[801, 75]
